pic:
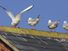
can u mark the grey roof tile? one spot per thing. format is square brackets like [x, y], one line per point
[33, 43]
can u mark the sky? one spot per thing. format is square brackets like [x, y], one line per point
[47, 9]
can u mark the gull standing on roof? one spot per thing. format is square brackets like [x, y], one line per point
[52, 25]
[16, 19]
[65, 25]
[33, 22]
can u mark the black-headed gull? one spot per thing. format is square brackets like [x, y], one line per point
[33, 22]
[52, 25]
[16, 19]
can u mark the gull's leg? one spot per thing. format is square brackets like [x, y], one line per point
[33, 27]
[14, 26]
[52, 30]
[67, 31]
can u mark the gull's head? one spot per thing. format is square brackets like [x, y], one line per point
[65, 22]
[49, 21]
[29, 18]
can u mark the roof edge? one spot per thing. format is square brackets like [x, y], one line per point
[7, 42]
[33, 32]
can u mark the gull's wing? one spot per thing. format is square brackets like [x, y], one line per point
[8, 12]
[27, 9]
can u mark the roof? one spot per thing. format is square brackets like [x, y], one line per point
[20, 39]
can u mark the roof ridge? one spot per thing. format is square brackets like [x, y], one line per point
[23, 31]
